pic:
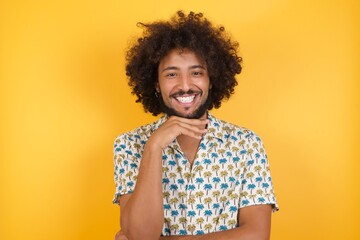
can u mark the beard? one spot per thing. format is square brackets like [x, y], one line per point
[198, 113]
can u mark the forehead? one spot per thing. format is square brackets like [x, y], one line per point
[181, 58]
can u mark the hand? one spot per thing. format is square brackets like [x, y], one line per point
[176, 126]
[120, 236]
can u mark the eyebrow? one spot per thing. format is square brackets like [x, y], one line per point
[176, 68]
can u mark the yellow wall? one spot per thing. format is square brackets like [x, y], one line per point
[64, 98]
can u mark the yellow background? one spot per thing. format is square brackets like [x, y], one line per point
[64, 98]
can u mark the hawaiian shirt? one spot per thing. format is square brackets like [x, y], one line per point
[230, 171]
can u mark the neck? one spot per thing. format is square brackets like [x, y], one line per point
[189, 145]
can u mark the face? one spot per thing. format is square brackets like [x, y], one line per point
[184, 84]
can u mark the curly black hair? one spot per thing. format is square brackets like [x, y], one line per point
[195, 33]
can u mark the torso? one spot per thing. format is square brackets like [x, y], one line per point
[204, 183]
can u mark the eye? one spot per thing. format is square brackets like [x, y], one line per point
[197, 73]
[171, 75]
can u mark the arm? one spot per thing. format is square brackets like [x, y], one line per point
[138, 220]
[254, 224]
[142, 213]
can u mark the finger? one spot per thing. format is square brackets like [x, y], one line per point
[120, 236]
[189, 121]
[117, 235]
[174, 127]
[192, 128]
[191, 131]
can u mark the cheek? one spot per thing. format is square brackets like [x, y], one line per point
[205, 85]
[169, 88]
[162, 86]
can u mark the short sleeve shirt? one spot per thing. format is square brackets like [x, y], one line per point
[230, 171]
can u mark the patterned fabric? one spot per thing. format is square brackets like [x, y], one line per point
[230, 171]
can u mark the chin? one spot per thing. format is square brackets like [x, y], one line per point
[196, 114]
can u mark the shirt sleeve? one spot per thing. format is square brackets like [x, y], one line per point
[256, 183]
[126, 165]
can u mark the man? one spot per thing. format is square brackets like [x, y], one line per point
[189, 175]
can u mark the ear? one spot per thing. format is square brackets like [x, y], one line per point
[157, 88]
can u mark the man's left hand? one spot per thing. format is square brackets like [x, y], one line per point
[120, 236]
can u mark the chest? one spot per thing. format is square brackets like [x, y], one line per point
[204, 194]
[188, 149]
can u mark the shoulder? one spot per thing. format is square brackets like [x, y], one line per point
[131, 144]
[138, 135]
[235, 130]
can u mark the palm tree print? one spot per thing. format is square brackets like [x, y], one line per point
[207, 187]
[216, 195]
[224, 174]
[216, 206]
[223, 199]
[265, 186]
[250, 175]
[182, 207]
[207, 174]
[180, 181]
[207, 162]
[129, 175]
[231, 223]
[234, 197]
[191, 228]
[174, 227]
[215, 220]
[174, 213]
[199, 169]
[183, 221]
[199, 181]
[166, 208]
[199, 221]
[174, 200]
[208, 213]
[199, 207]
[215, 168]
[208, 227]
[221, 152]
[251, 187]
[191, 214]
[191, 201]
[230, 171]
[182, 196]
[208, 201]
[216, 180]
[224, 186]
[199, 195]
[173, 187]
[166, 194]
[224, 216]
[233, 210]
[222, 161]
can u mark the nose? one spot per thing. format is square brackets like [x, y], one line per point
[185, 83]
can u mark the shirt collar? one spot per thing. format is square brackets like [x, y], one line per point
[215, 128]
[158, 123]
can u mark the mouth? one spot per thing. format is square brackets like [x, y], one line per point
[185, 99]
[191, 104]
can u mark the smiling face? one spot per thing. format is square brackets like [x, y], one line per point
[184, 84]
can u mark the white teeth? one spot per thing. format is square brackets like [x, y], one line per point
[185, 99]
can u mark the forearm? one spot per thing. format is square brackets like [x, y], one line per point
[143, 216]
[239, 233]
